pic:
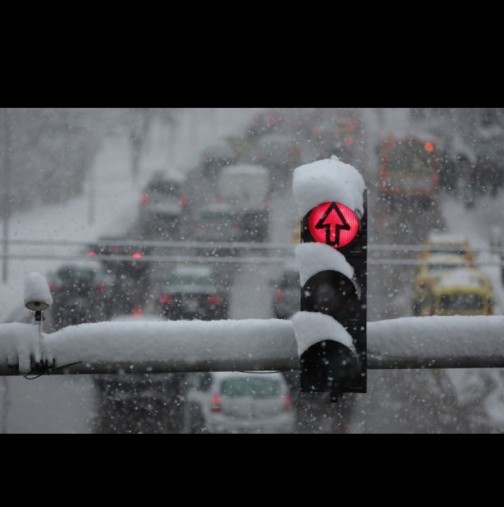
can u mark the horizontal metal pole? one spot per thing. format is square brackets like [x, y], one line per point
[188, 259]
[372, 247]
[248, 345]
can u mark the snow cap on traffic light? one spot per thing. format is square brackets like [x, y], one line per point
[311, 328]
[314, 257]
[328, 180]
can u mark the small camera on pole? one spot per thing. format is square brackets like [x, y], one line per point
[37, 296]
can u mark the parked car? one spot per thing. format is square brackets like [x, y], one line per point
[234, 402]
[161, 205]
[286, 295]
[189, 292]
[81, 293]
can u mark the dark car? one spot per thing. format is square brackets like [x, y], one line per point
[161, 205]
[286, 295]
[215, 158]
[190, 292]
[138, 402]
[81, 293]
[128, 264]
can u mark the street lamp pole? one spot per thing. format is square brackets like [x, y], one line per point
[6, 194]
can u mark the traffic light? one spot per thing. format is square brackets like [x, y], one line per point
[332, 258]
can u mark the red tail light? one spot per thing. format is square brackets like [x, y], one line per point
[183, 201]
[287, 401]
[279, 294]
[165, 299]
[214, 299]
[53, 287]
[101, 287]
[91, 253]
[137, 312]
[216, 403]
[137, 255]
[352, 126]
[144, 199]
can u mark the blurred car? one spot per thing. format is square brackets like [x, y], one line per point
[217, 223]
[215, 158]
[189, 292]
[234, 402]
[127, 263]
[432, 269]
[280, 153]
[451, 244]
[286, 295]
[460, 292]
[161, 204]
[246, 189]
[139, 402]
[82, 292]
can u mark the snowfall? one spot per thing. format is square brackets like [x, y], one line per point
[271, 343]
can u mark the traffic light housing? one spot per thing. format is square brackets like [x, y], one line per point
[332, 260]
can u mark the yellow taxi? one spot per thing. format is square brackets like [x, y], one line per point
[439, 243]
[461, 292]
[433, 267]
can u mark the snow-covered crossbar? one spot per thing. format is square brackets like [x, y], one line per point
[243, 345]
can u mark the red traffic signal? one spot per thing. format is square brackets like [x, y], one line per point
[333, 223]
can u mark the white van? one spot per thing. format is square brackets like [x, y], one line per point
[246, 189]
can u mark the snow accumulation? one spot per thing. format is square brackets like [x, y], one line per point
[312, 327]
[312, 258]
[36, 290]
[328, 180]
[250, 344]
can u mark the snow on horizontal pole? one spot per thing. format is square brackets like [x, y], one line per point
[437, 342]
[251, 344]
[171, 346]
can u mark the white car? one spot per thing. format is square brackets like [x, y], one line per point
[234, 402]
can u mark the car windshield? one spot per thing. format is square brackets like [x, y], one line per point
[72, 275]
[437, 268]
[168, 188]
[251, 386]
[189, 280]
[462, 302]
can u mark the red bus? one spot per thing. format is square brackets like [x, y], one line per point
[409, 171]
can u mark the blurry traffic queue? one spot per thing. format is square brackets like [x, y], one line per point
[224, 200]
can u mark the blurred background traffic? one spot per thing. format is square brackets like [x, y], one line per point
[209, 233]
